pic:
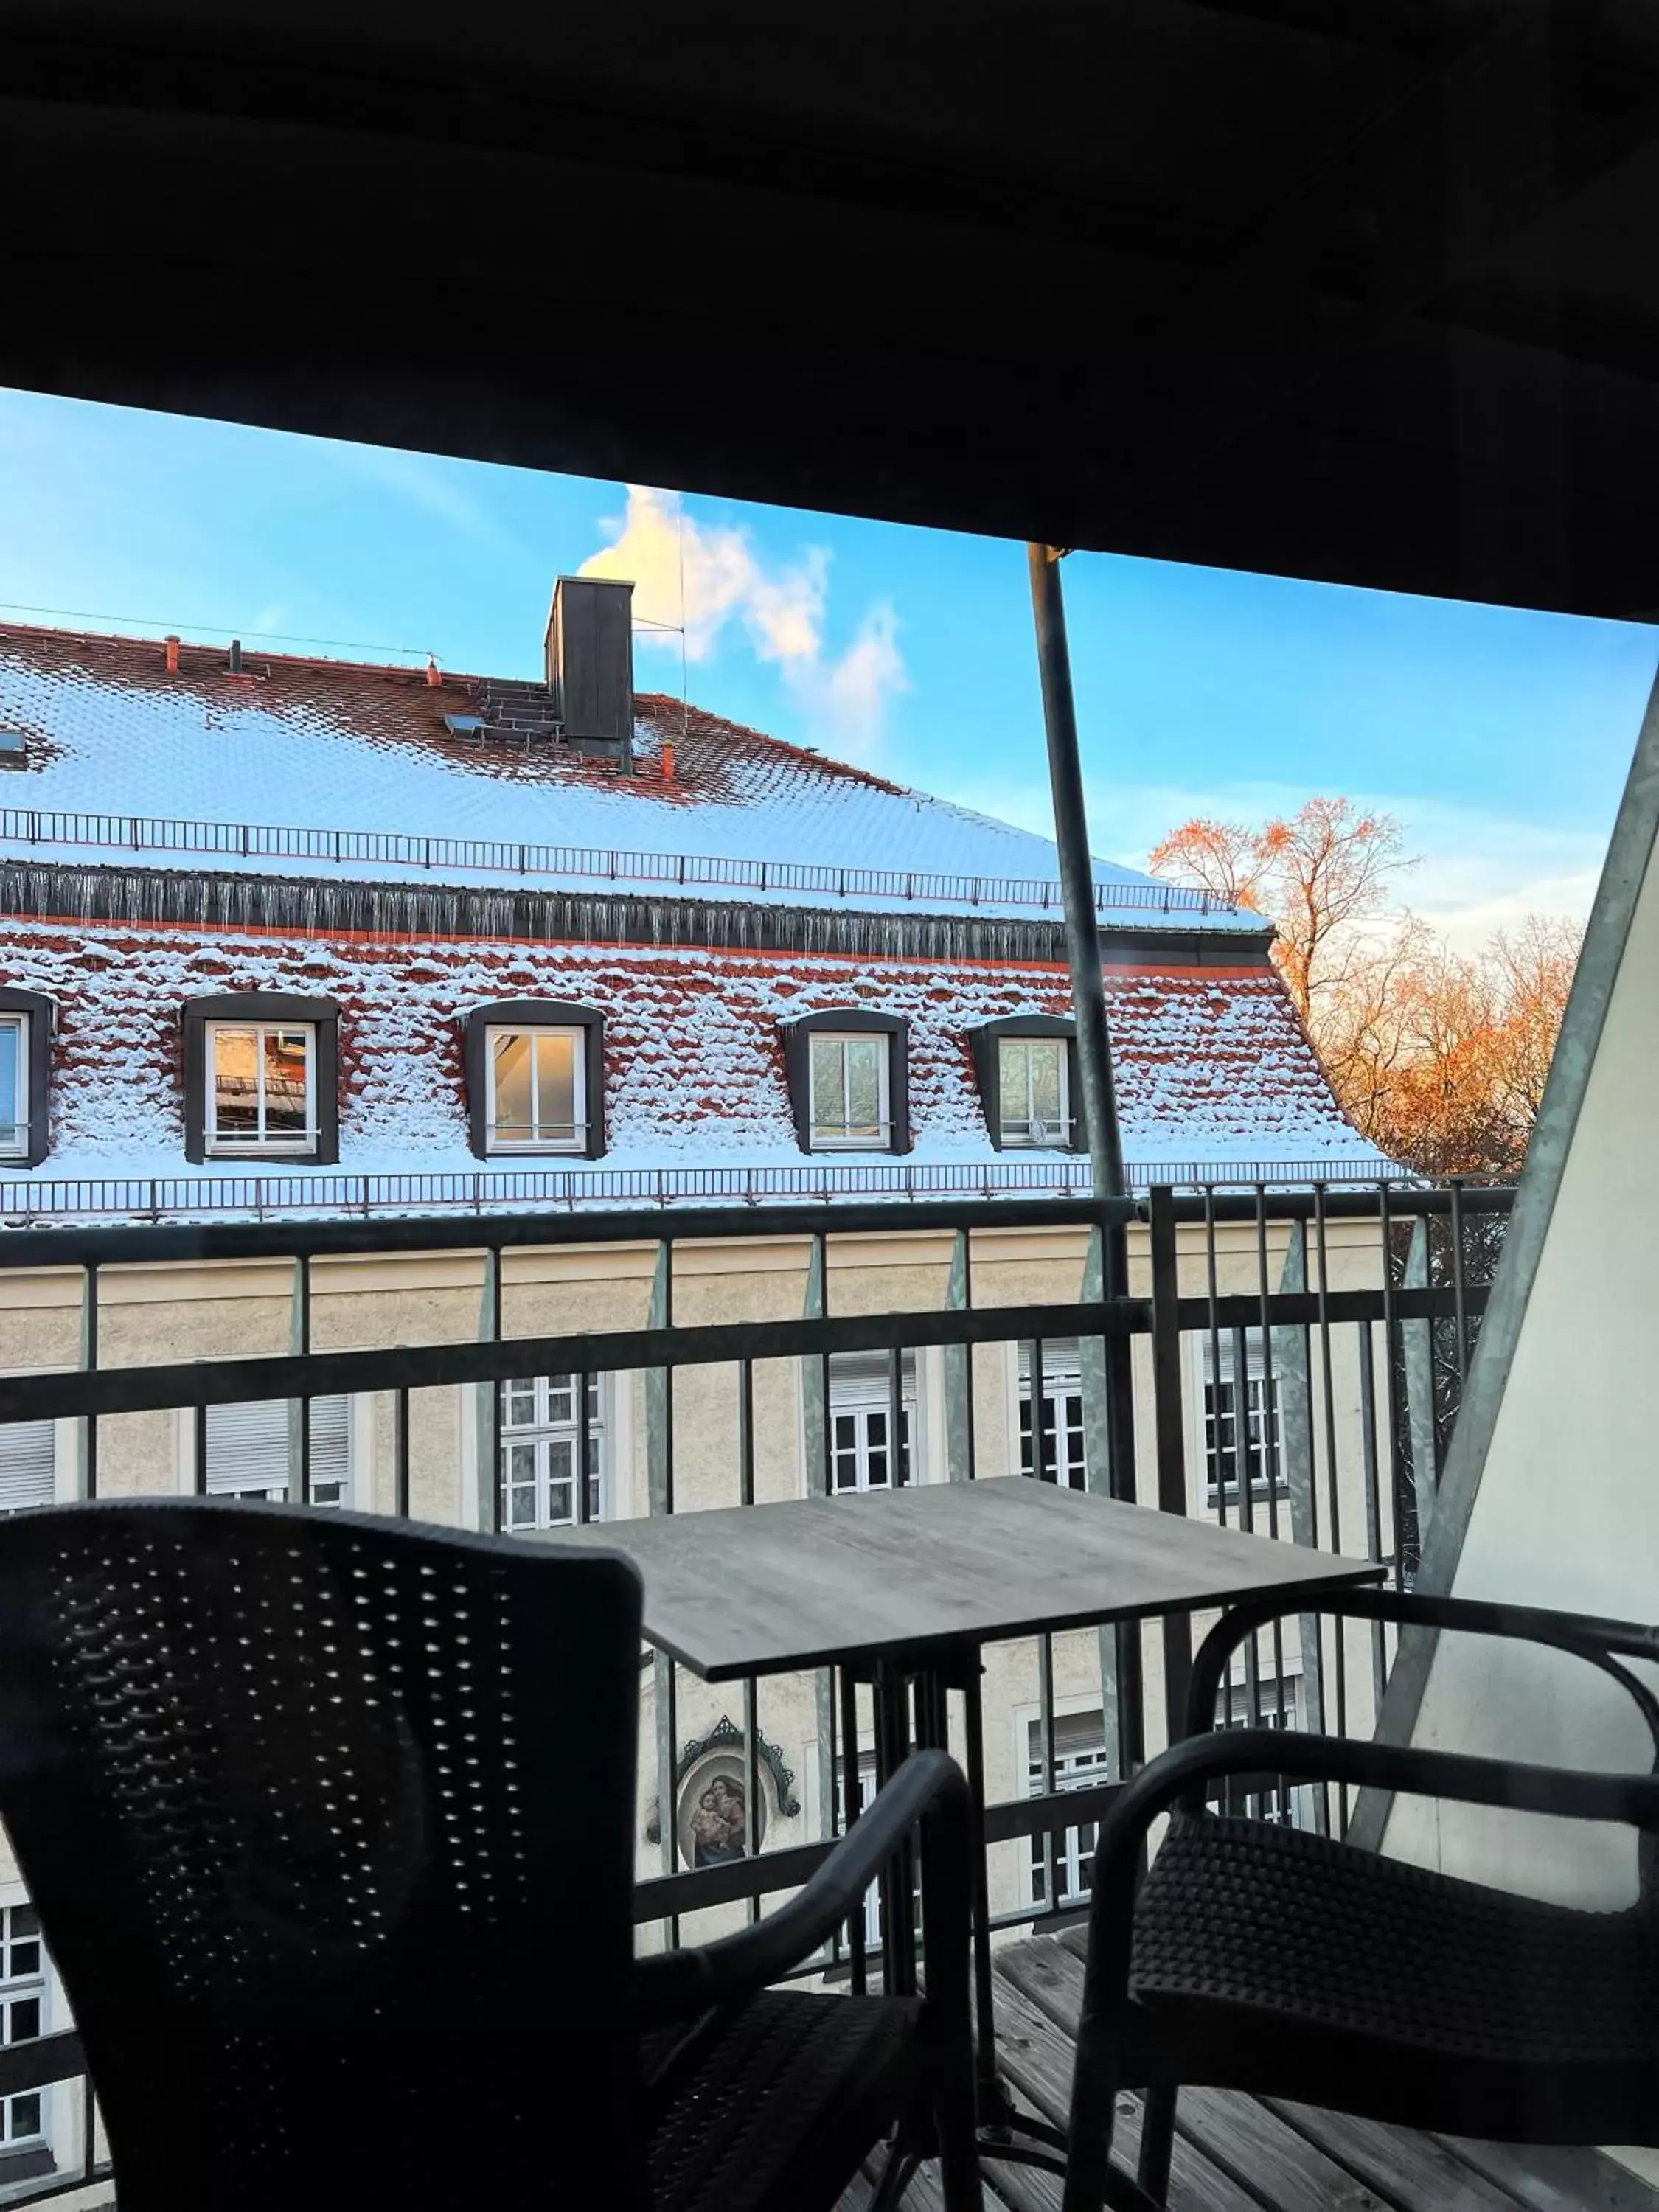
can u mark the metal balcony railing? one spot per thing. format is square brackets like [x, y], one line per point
[1289, 1359]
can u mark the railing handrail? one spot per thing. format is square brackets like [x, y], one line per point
[80, 1244]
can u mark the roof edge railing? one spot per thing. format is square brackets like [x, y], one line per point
[26, 1199]
[136, 833]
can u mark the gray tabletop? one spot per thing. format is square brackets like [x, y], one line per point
[764, 1590]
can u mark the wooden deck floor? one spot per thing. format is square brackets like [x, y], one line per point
[1238, 2153]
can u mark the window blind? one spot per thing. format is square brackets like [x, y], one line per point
[27, 1456]
[256, 1446]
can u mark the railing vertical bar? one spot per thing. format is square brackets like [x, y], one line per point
[1271, 1439]
[491, 1492]
[1042, 1423]
[1393, 1396]
[897, 1470]
[1170, 1437]
[1459, 1286]
[1215, 1451]
[88, 1438]
[400, 1451]
[746, 1431]
[1046, 1750]
[669, 1780]
[751, 1796]
[580, 1504]
[1368, 1415]
[1327, 1383]
[302, 1332]
[973, 1722]
[851, 1796]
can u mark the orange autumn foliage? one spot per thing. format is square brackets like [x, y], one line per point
[1438, 1057]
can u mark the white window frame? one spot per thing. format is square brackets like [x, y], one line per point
[259, 1145]
[1063, 1387]
[1275, 1480]
[577, 1141]
[857, 1407]
[543, 1434]
[1017, 1133]
[850, 1140]
[33, 1988]
[17, 1145]
[1075, 1770]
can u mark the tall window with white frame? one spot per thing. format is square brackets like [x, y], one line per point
[14, 1086]
[851, 1078]
[1079, 1740]
[537, 1090]
[261, 1088]
[1051, 1425]
[541, 1425]
[861, 1454]
[1034, 1091]
[22, 2011]
[1243, 1431]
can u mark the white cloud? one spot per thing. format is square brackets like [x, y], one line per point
[704, 577]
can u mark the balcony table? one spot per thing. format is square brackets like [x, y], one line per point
[902, 1589]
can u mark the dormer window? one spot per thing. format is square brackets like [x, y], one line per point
[535, 1078]
[537, 1090]
[848, 1080]
[1033, 1094]
[260, 1080]
[262, 1087]
[26, 1021]
[1028, 1083]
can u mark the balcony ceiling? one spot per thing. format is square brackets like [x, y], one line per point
[1364, 292]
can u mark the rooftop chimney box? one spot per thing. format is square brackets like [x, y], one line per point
[590, 662]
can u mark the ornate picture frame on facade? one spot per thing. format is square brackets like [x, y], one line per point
[714, 1822]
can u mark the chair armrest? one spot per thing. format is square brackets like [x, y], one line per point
[1187, 1767]
[675, 1984]
[1594, 1641]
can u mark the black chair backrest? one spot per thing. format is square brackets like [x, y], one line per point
[329, 1824]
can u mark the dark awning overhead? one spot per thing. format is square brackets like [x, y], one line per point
[1363, 290]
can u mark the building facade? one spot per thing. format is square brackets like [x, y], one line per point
[282, 937]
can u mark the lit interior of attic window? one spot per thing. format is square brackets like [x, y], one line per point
[14, 1086]
[850, 1080]
[537, 1088]
[264, 1087]
[1033, 1090]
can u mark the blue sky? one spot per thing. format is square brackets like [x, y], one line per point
[1500, 739]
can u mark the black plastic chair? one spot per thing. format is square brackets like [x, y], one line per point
[331, 1824]
[1268, 1959]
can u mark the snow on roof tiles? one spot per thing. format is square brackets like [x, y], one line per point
[1213, 1069]
[309, 746]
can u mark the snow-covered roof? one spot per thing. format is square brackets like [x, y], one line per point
[326, 769]
[1216, 1079]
